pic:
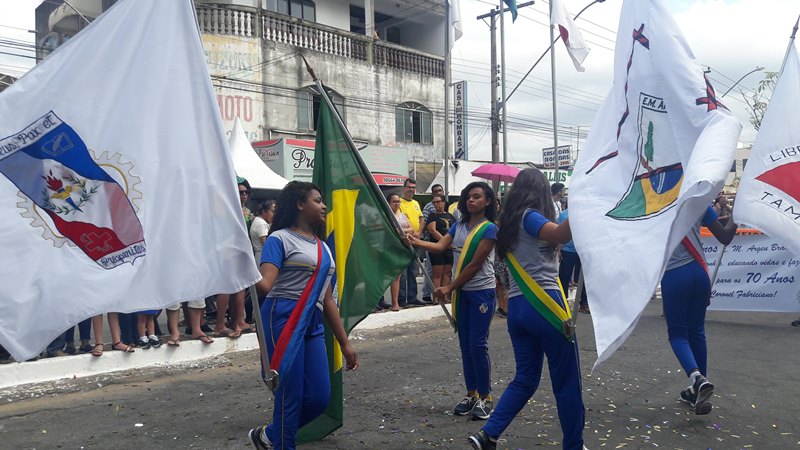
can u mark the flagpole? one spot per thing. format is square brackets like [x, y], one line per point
[371, 183]
[791, 42]
[541, 57]
[783, 65]
[553, 89]
[447, 81]
[503, 82]
[271, 377]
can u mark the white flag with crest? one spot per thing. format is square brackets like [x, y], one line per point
[117, 190]
[659, 151]
[768, 196]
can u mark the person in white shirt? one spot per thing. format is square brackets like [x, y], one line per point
[260, 226]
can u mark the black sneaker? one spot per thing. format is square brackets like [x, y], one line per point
[482, 441]
[256, 436]
[796, 323]
[502, 313]
[482, 410]
[154, 341]
[143, 343]
[688, 396]
[465, 406]
[704, 390]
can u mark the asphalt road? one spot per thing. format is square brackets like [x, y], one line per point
[410, 379]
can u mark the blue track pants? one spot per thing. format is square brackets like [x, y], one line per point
[475, 311]
[686, 291]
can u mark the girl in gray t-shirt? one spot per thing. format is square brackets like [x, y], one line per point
[289, 262]
[475, 286]
[529, 233]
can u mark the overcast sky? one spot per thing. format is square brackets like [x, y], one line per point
[733, 37]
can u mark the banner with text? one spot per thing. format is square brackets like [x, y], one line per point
[757, 274]
[460, 119]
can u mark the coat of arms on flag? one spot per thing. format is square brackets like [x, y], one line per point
[659, 151]
[656, 179]
[69, 195]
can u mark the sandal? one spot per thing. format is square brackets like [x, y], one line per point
[228, 333]
[97, 350]
[127, 349]
[205, 339]
[174, 342]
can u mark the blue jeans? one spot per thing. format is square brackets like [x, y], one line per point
[304, 392]
[570, 269]
[686, 291]
[84, 331]
[127, 327]
[426, 288]
[475, 311]
[408, 284]
[532, 337]
[58, 343]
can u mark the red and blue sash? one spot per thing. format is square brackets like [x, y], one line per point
[291, 338]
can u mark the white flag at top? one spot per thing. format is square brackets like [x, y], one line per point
[570, 34]
[768, 196]
[117, 190]
[455, 27]
[659, 151]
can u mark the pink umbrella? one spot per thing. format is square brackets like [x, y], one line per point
[497, 172]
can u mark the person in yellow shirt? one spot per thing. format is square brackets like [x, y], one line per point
[411, 209]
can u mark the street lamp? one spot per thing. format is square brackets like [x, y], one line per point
[757, 69]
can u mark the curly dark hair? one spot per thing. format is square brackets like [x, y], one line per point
[530, 190]
[488, 192]
[286, 212]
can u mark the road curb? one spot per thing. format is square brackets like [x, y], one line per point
[84, 365]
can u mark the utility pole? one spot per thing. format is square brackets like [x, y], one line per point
[495, 114]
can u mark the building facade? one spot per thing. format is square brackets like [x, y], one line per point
[389, 86]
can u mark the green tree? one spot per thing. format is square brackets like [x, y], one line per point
[757, 101]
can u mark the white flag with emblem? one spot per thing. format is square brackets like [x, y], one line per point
[768, 196]
[659, 151]
[117, 190]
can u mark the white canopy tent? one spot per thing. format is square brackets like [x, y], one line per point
[247, 163]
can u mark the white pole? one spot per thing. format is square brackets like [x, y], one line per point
[553, 85]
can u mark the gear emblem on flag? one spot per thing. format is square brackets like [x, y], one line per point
[122, 171]
[72, 196]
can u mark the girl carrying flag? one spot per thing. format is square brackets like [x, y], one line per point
[473, 291]
[686, 293]
[538, 316]
[296, 266]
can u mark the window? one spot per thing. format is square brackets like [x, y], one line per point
[308, 100]
[302, 9]
[413, 123]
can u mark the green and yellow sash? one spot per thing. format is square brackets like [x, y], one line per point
[560, 318]
[467, 253]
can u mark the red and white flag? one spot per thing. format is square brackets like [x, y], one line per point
[768, 197]
[570, 34]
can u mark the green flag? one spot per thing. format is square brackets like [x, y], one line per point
[512, 6]
[364, 241]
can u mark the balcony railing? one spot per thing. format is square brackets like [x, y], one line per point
[320, 38]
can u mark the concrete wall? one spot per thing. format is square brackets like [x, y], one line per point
[370, 93]
[334, 13]
[428, 37]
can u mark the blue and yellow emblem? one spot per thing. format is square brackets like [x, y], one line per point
[656, 180]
